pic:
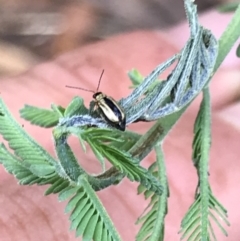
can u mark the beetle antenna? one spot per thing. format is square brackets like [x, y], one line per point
[79, 88]
[74, 87]
[100, 80]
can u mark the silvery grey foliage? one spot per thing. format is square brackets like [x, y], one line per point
[82, 120]
[190, 75]
[192, 72]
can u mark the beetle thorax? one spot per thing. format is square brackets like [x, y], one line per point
[98, 96]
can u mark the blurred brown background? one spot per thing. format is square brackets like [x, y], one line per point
[33, 31]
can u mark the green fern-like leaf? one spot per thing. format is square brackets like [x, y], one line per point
[196, 225]
[76, 107]
[26, 176]
[40, 117]
[202, 133]
[101, 141]
[24, 147]
[153, 217]
[17, 168]
[123, 161]
[31, 164]
[128, 165]
[88, 216]
[91, 222]
[23, 173]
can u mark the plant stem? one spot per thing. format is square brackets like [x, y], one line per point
[155, 135]
[228, 38]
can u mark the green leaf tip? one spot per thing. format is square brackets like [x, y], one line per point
[76, 107]
[135, 77]
[196, 227]
[228, 7]
[40, 117]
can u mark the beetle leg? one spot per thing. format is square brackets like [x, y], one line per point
[92, 107]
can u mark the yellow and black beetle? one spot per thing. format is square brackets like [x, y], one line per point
[108, 107]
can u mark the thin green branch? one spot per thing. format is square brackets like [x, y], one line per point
[203, 123]
[158, 228]
[228, 38]
[155, 135]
